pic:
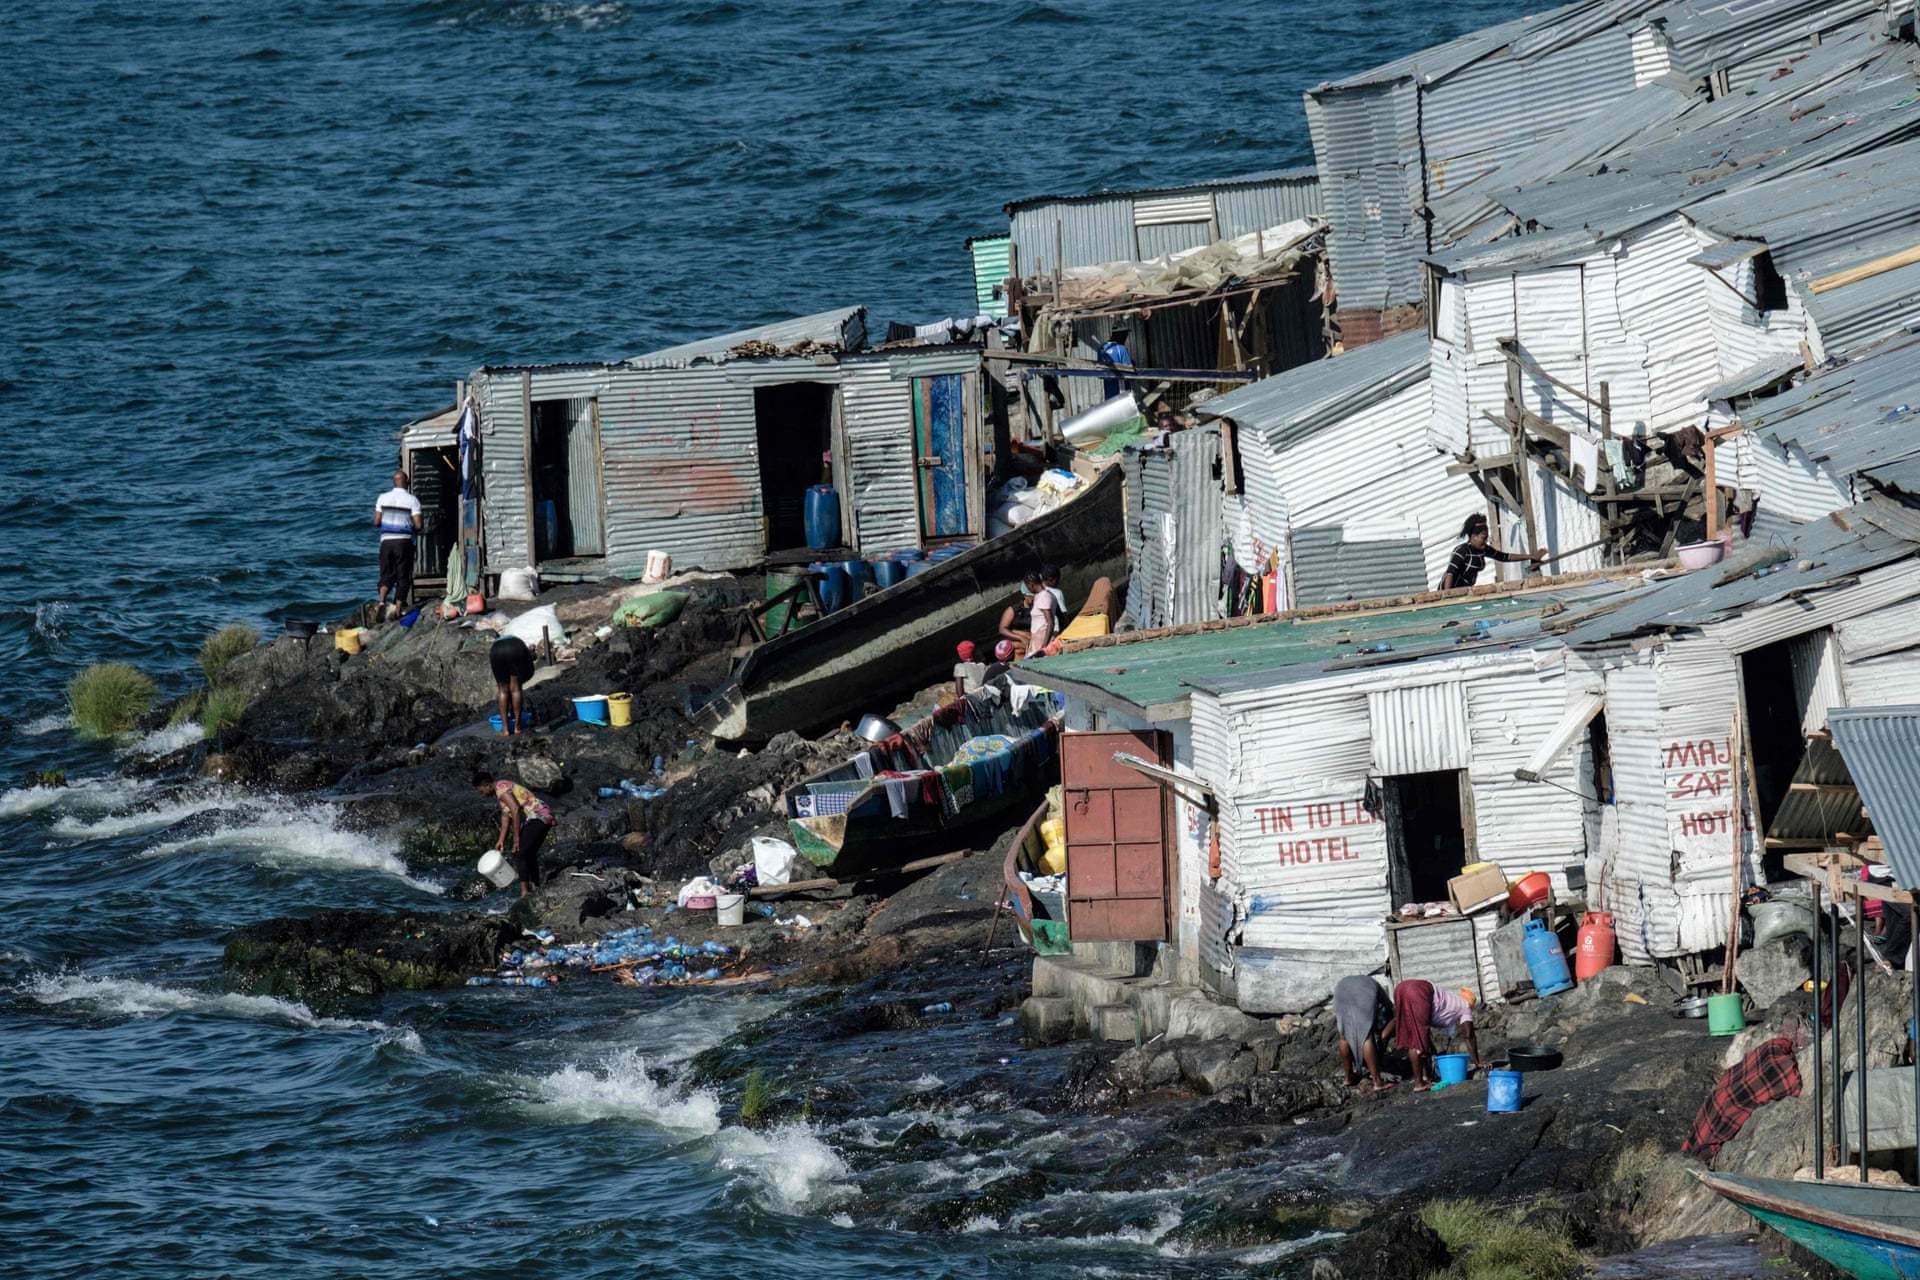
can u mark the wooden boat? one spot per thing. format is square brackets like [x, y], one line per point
[847, 823]
[1869, 1232]
[1028, 907]
[902, 638]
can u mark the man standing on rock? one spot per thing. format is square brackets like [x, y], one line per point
[396, 514]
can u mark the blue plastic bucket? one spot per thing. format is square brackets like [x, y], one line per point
[1503, 1091]
[1452, 1067]
[526, 718]
[591, 709]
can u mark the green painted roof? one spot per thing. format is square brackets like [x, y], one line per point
[991, 256]
[1155, 676]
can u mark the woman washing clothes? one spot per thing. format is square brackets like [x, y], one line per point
[1017, 625]
[1421, 1008]
[526, 815]
[1362, 1013]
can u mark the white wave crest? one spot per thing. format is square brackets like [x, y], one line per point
[793, 1170]
[165, 741]
[623, 1089]
[87, 795]
[277, 834]
[168, 813]
[40, 726]
[134, 998]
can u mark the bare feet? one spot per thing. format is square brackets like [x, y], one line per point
[1383, 1086]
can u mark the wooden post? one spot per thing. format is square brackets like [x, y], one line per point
[1517, 431]
[1713, 491]
[1819, 1089]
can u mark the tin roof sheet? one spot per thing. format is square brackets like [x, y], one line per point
[842, 329]
[1293, 404]
[1881, 746]
[1297, 173]
[1854, 417]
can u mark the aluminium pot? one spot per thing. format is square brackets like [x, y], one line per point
[873, 728]
[1690, 1007]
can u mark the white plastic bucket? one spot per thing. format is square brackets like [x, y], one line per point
[659, 566]
[730, 909]
[497, 869]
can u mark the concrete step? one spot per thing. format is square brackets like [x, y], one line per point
[1046, 1020]
[1114, 1022]
[1121, 959]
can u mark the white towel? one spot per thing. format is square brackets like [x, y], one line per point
[896, 795]
[1586, 456]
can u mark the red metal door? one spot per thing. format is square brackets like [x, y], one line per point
[1116, 839]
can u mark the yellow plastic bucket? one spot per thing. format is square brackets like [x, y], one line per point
[619, 710]
[347, 640]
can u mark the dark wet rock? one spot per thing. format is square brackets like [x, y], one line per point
[1394, 1246]
[337, 955]
[1146, 1068]
[995, 1200]
[1213, 1066]
[969, 889]
[301, 771]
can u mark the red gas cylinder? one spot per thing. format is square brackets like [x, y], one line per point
[1270, 591]
[1594, 951]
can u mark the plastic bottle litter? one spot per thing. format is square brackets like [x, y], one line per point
[944, 1006]
[659, 765]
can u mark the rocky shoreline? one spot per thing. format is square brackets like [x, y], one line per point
[1284, 1156]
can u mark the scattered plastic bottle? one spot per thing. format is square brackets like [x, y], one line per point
[944, 1006]
[710, 974]
[608, 793]
[659, 765]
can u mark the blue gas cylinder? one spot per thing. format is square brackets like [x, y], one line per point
[822, 517]
[1546, 959]
[834, 586]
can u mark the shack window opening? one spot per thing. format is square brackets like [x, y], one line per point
[1426, 834]
[793, 428]
[435, 473]
[564, 468]
[1769, 290]
[1600, 759]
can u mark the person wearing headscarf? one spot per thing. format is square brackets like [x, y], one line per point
[1421, 1008]
[1471, 556]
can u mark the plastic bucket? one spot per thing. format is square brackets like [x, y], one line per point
[620, 709]
[730, 909]
[888, 572]
[1452, 1067]
[347, 640]
[1726, 1015]
[497, 869]
[526, 718]
[591, 709]
[1503, 1091]
[821, 517]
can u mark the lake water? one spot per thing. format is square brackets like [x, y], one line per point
[239, 245]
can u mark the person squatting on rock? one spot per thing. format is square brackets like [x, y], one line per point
[526, 815]
[1421, 1008]
[512, 664]
[396, 514]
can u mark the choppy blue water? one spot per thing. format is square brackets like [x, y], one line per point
[239, 244]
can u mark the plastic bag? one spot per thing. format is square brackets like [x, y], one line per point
[528, 626]
[773, 860]
[519, 584]
[654, 610]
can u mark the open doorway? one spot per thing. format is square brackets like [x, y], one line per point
[435, 474]
[793, 427]
[1802, 792]
[1426, 834]
[564, 468]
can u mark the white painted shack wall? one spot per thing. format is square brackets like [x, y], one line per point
[877, 410]
[503, 470]
[1743, 334]
[1523, 826]
[1212, 745]
[1636, 885]
[1879, 665]
[1659, 294]
[1448, 357]
[1699, 690]
[1790, 483]
[1375, 475]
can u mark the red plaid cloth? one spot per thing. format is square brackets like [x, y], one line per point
[1768, 1074]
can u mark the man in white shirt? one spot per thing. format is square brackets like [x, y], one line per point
[396, 514]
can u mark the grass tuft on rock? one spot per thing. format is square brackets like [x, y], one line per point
[187, 710]
[756, 1099]
[1497, 1244]
[108, 698]
[222, 710]
[219, 650]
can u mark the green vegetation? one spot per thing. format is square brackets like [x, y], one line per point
[108, 698]
[219, 650]
[51, 779]
[1497, 1244]
[756, 1099]
[187, 710]
[221, 710]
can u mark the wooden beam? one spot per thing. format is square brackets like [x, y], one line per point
[1781, 842]
[1824, 788]
[1867, 270]
[1494, 463]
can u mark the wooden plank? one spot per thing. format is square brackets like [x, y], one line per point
[1782, 842]
[1824, 788]
[1867, 270]
[1494, 463]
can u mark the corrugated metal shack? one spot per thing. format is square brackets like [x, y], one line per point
[1407, 150]
[1055, 233]
[991, 258]
[1174, 528]
[705, 450]
[1342, 484]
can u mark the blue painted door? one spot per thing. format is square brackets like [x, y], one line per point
[940, 445]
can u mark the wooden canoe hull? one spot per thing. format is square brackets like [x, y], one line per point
[1869, 1232]
[863, 844]
[903, 638]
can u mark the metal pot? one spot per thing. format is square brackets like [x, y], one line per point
[1690, 1007]
[1533, 1057]
[302, 628]
[873, 728]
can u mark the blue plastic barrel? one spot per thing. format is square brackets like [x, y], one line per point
[1546, 960]
[548, 513]
[906, 555]
[859, 578]
[834, 586]
[1451, 1067]
[887, 572]
[823, 517]
[1503, 1091]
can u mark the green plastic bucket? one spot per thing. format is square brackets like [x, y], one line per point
[1726, 1015]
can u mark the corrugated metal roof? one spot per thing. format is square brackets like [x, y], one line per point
[1852, 418]
[1298, 173]
[1823, 552]
[1329, 568]
[990, 255]
[842, 329]
[1155, 675]
[1881, 746]
[1292, 405]
[1757, 376]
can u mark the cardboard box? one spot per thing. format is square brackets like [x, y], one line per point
[1476, 889]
